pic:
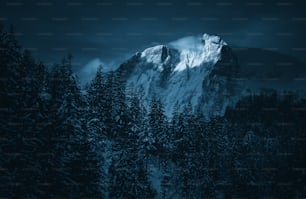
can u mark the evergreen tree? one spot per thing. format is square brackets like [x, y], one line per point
[158, 126]
[69, 141]
[96, 125]
[22, 140]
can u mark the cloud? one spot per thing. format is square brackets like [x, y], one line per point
[190, 42]
[88, 71]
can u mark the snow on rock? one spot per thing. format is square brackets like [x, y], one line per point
[206, 51]
[154, 54]
[184, 71]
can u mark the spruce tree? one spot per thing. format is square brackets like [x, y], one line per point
[71, 152]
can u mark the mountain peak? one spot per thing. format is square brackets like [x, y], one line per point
[184, 71]
[187, 52]
[212, 39]
[156, 55]
[206, 50]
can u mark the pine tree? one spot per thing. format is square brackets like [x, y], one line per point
[139, 133]
[96, 126]
[96, 96]
[128, 175]
[22, 139]
[158, 126]
[70, 148]
[109, 104]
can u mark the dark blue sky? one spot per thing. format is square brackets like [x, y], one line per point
[113, 30]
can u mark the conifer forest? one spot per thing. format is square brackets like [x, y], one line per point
[60, 139]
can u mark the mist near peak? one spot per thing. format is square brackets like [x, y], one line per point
[88, 71]
[189, 42]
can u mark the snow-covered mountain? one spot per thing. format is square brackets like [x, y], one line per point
[200, 73]
[206, 72]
